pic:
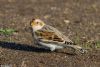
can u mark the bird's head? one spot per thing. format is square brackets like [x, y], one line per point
[37, 24]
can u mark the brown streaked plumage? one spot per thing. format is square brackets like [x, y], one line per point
[50, 37]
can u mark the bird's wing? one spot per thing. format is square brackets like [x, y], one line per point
[50, 34]
[59, 34]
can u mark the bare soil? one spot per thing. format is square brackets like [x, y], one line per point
[78, 19]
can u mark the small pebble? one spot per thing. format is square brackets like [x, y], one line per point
[47, 16]
[67, 21]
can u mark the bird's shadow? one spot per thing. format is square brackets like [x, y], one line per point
[22, 47]
[25, 47]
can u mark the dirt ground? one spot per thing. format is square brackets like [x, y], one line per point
[78, 19]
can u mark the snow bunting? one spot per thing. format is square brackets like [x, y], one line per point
[49, 37]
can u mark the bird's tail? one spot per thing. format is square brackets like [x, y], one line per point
[75, 48]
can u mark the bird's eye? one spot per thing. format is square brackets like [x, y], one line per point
[37, 22]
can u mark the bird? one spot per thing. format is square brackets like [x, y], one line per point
[51, 38]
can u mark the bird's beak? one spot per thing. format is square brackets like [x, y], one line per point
[32, 24]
